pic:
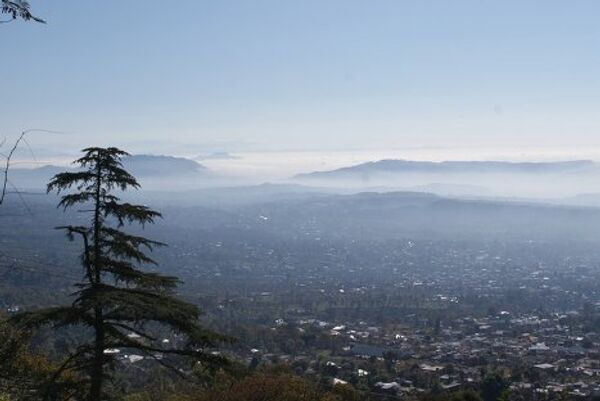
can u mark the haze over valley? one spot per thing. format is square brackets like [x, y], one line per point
[571, 181]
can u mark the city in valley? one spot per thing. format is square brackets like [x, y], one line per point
[492, 299]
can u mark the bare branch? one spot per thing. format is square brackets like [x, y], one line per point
[20, 195]
[8, 159]
[7, 166]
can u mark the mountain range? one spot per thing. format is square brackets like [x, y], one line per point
[141, 166]
[398, 167]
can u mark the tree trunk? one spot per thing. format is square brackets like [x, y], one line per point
[97, 370]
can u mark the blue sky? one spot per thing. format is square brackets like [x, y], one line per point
[283, 74]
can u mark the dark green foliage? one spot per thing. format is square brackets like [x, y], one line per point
[492, 387]
[117, 301]
[463, 395]
[265, 386]
[21, 371]
[18, 9]
[466, 396]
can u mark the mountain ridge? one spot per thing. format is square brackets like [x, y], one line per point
[142, 166]
[399, 166]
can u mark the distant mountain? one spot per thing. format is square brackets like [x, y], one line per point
[32, 178]
[366, 170]
[217, 156]
[141, 166]
[161, 166]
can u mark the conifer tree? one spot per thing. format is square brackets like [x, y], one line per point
[117, 301]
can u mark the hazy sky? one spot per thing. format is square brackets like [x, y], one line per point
[322, 74]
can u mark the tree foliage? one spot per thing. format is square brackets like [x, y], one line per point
[117, 301]
[263, 386]
[18, 9]
[21, 371]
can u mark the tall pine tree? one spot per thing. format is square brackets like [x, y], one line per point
[116, 298]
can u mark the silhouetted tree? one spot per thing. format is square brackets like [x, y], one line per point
[18, 9]
[116, 297]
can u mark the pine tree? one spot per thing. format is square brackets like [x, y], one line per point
[116, 299]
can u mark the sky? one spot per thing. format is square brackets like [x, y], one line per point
[310, 75]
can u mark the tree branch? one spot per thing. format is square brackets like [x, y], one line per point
[18, 9]
[7, 166]
[8, 157]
